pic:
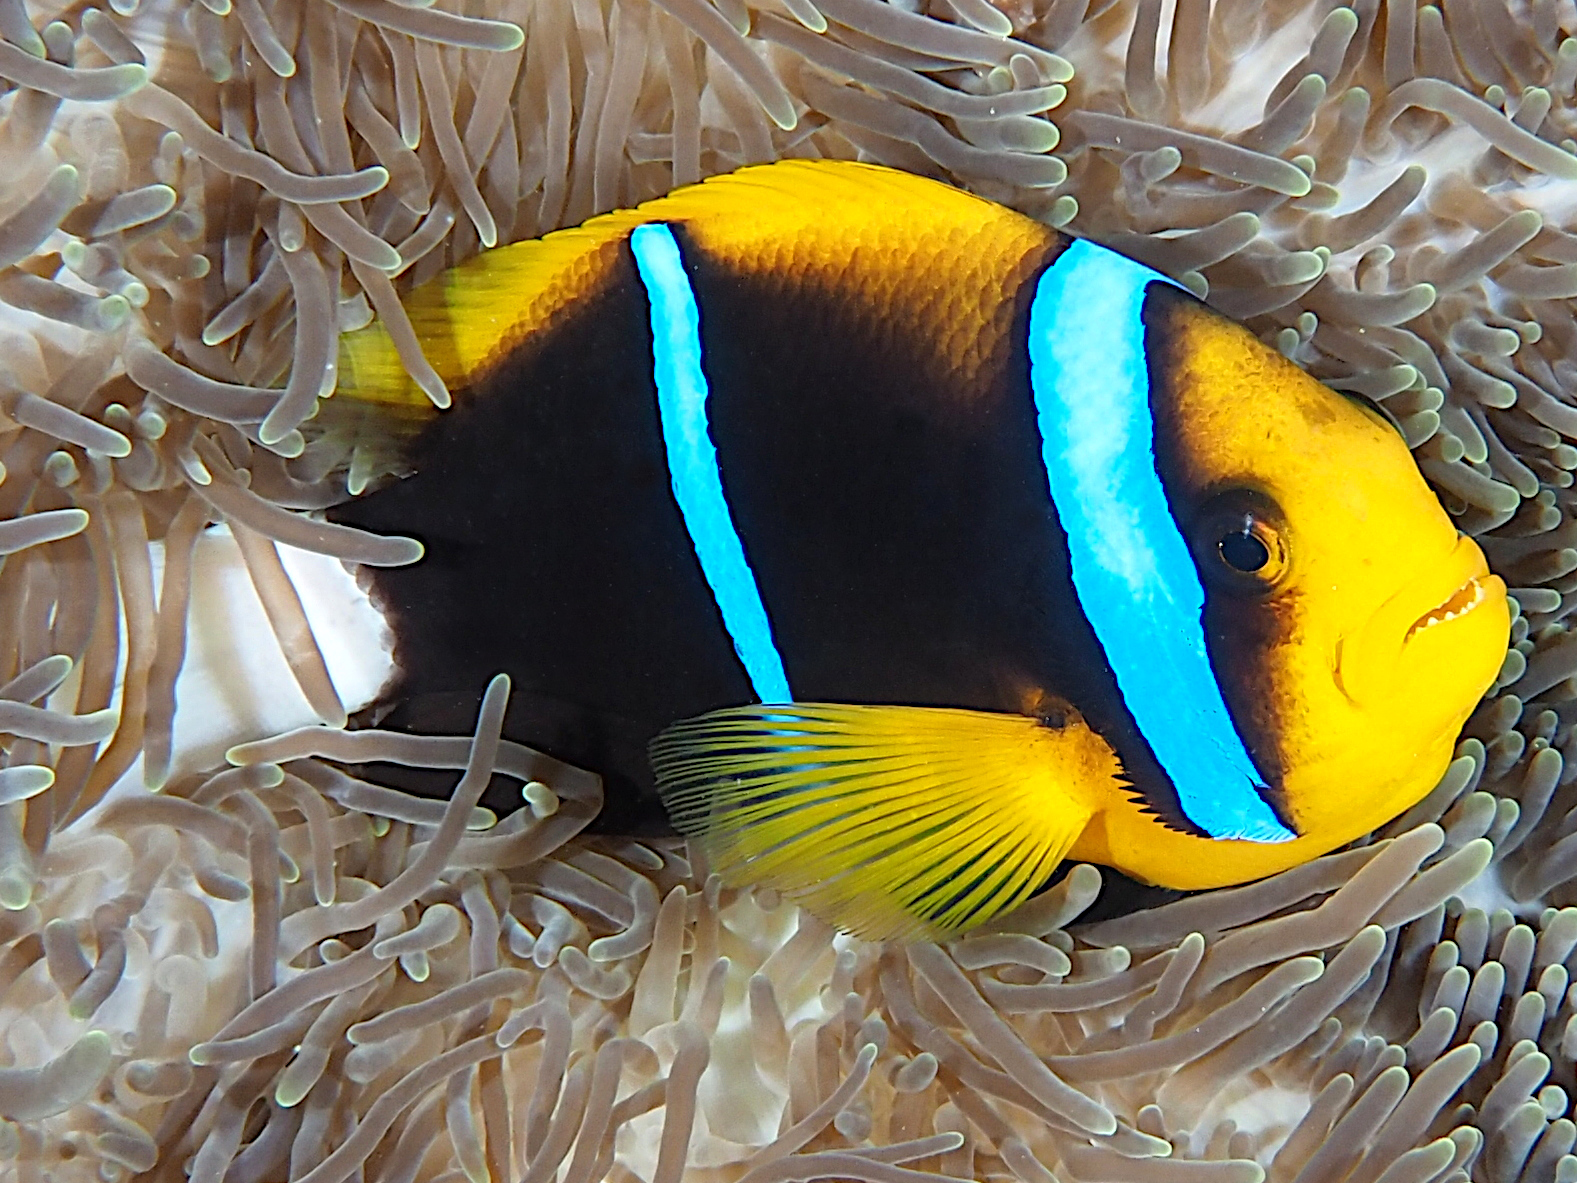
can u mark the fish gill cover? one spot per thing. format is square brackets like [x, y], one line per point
[276, 971]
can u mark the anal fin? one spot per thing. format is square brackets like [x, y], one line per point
[892, 822]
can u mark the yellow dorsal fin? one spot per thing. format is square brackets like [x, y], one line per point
[891, 822]
[483, 307]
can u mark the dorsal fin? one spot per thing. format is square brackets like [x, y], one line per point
[803, 219]
[469, 314]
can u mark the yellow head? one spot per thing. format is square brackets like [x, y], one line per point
[1370, 629]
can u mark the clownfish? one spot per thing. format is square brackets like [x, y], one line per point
[897, 547]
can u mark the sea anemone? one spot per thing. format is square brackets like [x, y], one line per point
[274, 968]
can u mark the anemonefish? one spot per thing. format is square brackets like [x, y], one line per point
[902, 547]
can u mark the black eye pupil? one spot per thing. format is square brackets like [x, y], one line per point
[1243, 552]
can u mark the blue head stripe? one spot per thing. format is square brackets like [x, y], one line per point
[1132, 570]
[692, 459]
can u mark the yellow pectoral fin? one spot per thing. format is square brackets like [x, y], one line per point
[891, 822]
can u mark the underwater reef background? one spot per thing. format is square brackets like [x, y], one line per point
[275, 970]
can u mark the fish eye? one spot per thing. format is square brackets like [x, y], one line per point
[1240, 542]
[1243, 551]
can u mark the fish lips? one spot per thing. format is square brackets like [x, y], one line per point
[1460, 604]
[1467, 587]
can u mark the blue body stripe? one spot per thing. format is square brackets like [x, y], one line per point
[692, 459]
[1132, 570]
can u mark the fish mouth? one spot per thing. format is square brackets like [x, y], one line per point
[1454, 586]
[1455, 606]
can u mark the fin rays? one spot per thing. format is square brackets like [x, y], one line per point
[894, 822]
